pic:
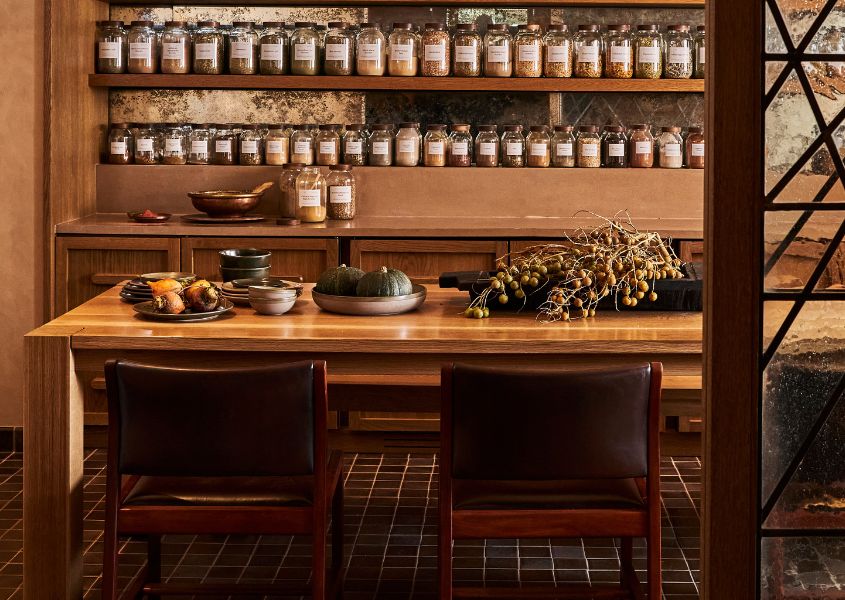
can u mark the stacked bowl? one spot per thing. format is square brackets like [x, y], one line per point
[272, 300]
[244, 263]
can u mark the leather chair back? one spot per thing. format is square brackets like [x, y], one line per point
[213, 422]
[549, 424]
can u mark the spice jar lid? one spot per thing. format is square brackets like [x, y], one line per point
[529, 27]
[695, 130]
[142, 24]
[563, 127]
[246, 24]
[408, 26]
[329, 127]
[172, 125]
[679, 27]
[512, 128]
[382, 127]
[203, 126]
[700, 28]
[308, 126]
[497, 27]
[121, 125]
[492, 128]
[112, 23]
[436, 127]
[250, 127]
[274, 24]
[558, 27]
[409, 125]
[592, 27]
[466, 27]
[208, 24]
[648, 27]
[175, 23]
[640, 126]
[340, 168]
[538, 128]
[670, 129]
[460, 127]
[293, 166]
[369, 25]
[614, 128]
[303, 24]
[588, 128]
[338, 25]
[435, 26]
[621, 27]
[356, 127]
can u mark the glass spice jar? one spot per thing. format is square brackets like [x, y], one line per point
[487, 146]
[641, 147]
[407, 145]
[557, 60]
[277, 145]
[225, 145]
[615, 147]
[381, 145]
[147, 145]
[434, 146]
[339, 49]
[143, 48]
[467, 48]
[199, 144]
[698, 45]
[403, 51]
[175, 48]
[250, 145]
[436, 50]
[648, 50]
[498, 51]
[513, 146]
[670, 148]
[355, 145]
[208, 48]
[243, 48]
[528, 51]
[695, 148]
[112, 47]
[273, 49]
[304, 49]
[539, 146]
[588, 55]
[121, 144]
[459, 146]
[302, 144]
[563, 146]
[587, 146]
[679, 47]
[175, 145]
[327, 143]
[619, 52]
[287, 189]
[342, 192]
[370, 50]
[311, 195]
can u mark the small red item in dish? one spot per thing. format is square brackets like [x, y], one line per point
[148, 214]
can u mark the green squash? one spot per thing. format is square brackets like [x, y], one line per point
[385, 282]
[339, 281]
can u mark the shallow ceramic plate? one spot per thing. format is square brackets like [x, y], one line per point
[139, 218]
[242, 300]
[243, 285]
[354, 305]
[198, 218]
[145, 309]
[181, 277]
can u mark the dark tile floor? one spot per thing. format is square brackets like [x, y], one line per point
[391, 508]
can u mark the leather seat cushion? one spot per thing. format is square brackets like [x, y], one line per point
[561, 494]
[222, 491]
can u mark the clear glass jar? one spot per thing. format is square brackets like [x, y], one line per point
[243, 48]
[370, 50]
[407, 144]
[513, 146]
[670, 148]
[341, 192]
[538, 144]
[311, 195]
[588, 51]
[587, 145]
[251, 145]
[614, 147]
[287, 189]
[435, 50]
[208, 48]
[487, 146]
[641, 147]
[147, 145]
[695, 148]
[619, 52]
[381, 145]
[698, 45]
[143, 48]
[403, 51]
[467, 48]
[176, 48]
[679, 51]
[277, 145]
[225, 145]
[355, 145]
[200, 142]
[557, 61]
[528, 51]
[563, 146]
[648, 50]
[112, 47]
[459, 146]
[121, 144]
[305, 50]
[302, 145]
[434, 146]
[273, 49]
[174, 145]
[327, 145]
[498, 51]
[339, 49]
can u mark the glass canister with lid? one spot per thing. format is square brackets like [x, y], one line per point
[538, 143]
[528, 51]
[487, 146]
[287, 188]
[243, 48]
[342, 192]
[588, 51]
[340, 49]
[277, 145]
[305, 49]
[459, 146]
[435, 50]
[670, 148]
[648, 52]
[513, 146]
[619, 52]
[355, 145]
[563, 146]
[615, 147]
[251, 145]
[147, 145]
[176, 48]
[311, 195]
[695, 148]
[467, 48]
[370, 50]
[587, 145]
[302, 144]
[273, 49]
[208, 48]
[111, 47]
[175, 146]
[143, 48]
[641, 147]
[498, 51]
[327, 144]
[699, 52]
[434, 146]
[121, 144]
[225, 145]
[403, 51]
[407, 145]
[199, 144]
[679, 50]
[557, 61]
[381, 145]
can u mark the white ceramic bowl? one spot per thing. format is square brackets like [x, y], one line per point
[272, 307]
[266, 292]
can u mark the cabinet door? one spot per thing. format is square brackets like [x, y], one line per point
[303, 257]
[87, 266]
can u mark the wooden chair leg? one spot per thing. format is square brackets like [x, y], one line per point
[318, 577]
[110, 558]
[154, 561]
[337, 540]
[445, 554]
[655, 576]
[626, 558]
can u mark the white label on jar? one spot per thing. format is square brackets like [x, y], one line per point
[435, 53]
[249, 146]
[513, 149]
[406, 146]
[563, 149]
[275, 147]
[697, 150]
[649, 54]
[309, 197]
[204, 51]
[379, 148]
[302, 147]
[589, 149]
[327, 148]
[109, 49]
[588, 54]
[354, 148]
[142, 50]
[701, 55]
[487, 148]
[304, 52]
[679, 55]
[223, 146]
[401, 51]
[460, 149]
[435, 148]
[620, 54]
[241, 50]
[466, 54]
[173, 50]
[616, 149]
[672, 150]
[144, 145]
[271, 52]
[199, 147]
[528, 53]
[368, 52]
[118, 147]
[643, 147]
[340, 194]
[173, 145]
[336, 51]
[558, 54]
[498, 54]
[538, 149]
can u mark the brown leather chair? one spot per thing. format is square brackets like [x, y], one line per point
[220, 451]
[551, 454]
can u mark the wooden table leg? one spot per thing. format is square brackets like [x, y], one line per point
[53, 457]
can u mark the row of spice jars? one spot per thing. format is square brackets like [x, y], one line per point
[311, 197]
[345, 50]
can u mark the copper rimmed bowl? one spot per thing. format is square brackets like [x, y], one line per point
[225, 203]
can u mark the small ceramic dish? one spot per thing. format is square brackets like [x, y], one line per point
[272, 306]
[138, 217]
[244, 258]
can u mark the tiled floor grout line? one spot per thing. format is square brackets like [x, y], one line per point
[422, 525]
[393, 520]
[698, 514]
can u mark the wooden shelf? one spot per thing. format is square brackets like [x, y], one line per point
[423, 84]
[424, 3]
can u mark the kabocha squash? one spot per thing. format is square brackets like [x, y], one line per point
[385, 282]
[340, 281]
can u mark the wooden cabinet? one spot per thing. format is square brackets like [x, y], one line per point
[305, 257]
[87, 266]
